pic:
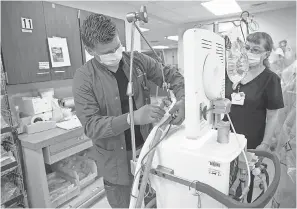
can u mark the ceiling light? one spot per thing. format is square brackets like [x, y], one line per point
[143, 29]
[222, 7]
[223, 27]
[173, 38]
[160, 47]
[259, 4]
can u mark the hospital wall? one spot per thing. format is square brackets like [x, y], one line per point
[170, 56]
[105, 8]
[63, 88]
[280, 24]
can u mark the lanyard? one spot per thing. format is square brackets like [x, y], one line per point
[238, 88]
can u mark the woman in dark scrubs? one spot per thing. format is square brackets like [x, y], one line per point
[257, 97]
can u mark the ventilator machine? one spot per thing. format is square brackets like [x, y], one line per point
[200, 163]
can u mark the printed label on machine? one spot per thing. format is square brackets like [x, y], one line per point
[214, 172]
[214, 164]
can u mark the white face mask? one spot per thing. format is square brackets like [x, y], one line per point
[254, 59]
[112, 59]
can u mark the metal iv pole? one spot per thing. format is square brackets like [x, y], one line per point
[130, 93]
[133, 17]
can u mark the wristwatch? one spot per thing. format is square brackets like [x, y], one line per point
[128, 119]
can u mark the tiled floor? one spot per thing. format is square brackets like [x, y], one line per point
[103, 203]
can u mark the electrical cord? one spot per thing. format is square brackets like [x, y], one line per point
[150, 190]
[155, 146]
[245, 158]
[150, 150]
[242, 30]
[251, 21]
[267, 183]
[242, 19]
[233, 171]
[248, 14]
[140, 169]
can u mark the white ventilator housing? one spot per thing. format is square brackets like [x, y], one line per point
[192, 151]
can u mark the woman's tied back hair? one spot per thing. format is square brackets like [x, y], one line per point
[256, 38]
[97, 28]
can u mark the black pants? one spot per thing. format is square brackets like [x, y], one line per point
[118, 196]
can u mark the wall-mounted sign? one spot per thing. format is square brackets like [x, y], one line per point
[44, 65]
[26, 31]
[59, 52]
[27, 23]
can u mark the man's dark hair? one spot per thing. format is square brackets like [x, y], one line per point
[97, 28]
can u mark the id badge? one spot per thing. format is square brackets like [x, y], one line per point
[238, 98]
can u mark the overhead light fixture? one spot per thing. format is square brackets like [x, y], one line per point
[143, 29]
[160, 47]
[222, 7]
[173, 38]
[223, 27]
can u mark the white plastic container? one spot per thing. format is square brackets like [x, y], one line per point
[35, 105]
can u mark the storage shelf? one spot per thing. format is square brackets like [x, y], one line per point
[3, 91]
[87, 196]
[12, 202]
[6, 130]
[10, 141]
[6, 169]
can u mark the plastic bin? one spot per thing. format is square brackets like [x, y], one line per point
[66, 192]
[87, 180]
[10, 188]
[91, 177]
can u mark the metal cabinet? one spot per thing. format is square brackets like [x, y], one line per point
[62, 21]
[23, 49]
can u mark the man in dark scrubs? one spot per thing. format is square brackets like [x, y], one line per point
[99, 89]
